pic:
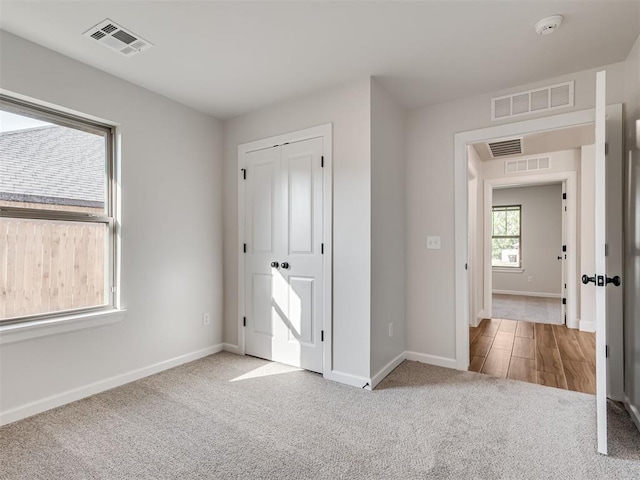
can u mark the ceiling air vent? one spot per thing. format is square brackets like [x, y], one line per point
[533, 101]
[112, 35]
[503, 148]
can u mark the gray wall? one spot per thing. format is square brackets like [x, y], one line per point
[171, 230]
[387, 228]
[541, 218]
[632, 232]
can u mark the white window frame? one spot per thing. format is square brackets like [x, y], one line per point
[30, 326]
[508, 268]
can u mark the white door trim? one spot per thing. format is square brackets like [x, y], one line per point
[571, 181]
[461, 140]
[325, 132]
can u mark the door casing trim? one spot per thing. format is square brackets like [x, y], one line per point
[568, 178]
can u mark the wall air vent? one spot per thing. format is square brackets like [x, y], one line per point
[533, 101]
[526, 164]
[503, 148]
[117, 38]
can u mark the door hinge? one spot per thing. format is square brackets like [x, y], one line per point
[322, 161]
[606, 249]
[244, 173]
[322, 335]
[322, 249]
[114, 289]
[466, 266]
[244, 248]
[564, 248]
[244, 321]
[606, 149]
[564, 196]
[606, 351]
[564, 301]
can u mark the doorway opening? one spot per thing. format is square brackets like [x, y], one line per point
[525, 225]
[607, 307]
[528, 287]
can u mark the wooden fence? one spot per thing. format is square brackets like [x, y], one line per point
[48, 266]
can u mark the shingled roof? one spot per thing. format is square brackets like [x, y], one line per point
[52, 165]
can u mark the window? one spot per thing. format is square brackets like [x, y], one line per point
[506, 246]
[57, 241]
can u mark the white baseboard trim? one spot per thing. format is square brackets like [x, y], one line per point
[386, 370]
[348, 379]
[572, 324]
[586, 326]
[39, 406]
[633, 412]
[527, 294]
[228, 347]
[475, 321]
[431, 359]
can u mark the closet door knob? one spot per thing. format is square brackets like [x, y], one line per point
[285, 265]
[275, 265]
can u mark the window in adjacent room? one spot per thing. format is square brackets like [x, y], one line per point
[506, 239]
[57, 228]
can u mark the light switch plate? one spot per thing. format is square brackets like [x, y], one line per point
[433, 243]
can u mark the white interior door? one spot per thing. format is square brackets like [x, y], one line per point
[283, 265]
[563, 255]
[263, 214]
[600, 275]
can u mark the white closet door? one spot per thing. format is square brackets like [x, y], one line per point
[264, 242]
[284, 228]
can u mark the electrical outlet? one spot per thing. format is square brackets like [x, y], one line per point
[205, 319]
[433, 243]
[529, 279]
[391, 330]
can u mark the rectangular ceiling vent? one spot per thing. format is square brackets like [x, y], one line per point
[526, 164]
[533, 101]
[117, 38]
[503, 148]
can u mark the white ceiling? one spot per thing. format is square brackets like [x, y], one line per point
[226, 58]
[547, 141]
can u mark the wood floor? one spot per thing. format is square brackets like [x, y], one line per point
[551, 355]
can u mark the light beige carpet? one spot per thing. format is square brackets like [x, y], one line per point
[227, 416]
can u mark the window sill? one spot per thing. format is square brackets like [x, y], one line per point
[507, 270]
[18, 332]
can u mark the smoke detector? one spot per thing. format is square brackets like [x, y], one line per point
[117, 38]
[548, 25]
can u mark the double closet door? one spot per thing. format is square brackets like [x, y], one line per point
[283, 259]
